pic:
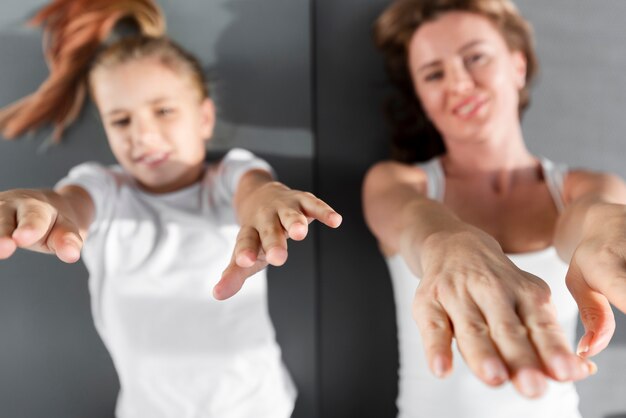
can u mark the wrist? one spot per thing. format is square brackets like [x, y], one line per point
[467, 244]
[258, 198]
[604, 216]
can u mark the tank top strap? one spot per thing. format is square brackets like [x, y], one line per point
[436, 181]
[554, 176]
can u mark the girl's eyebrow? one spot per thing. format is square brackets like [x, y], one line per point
[161, 99]
[437, 62]
[151, 102]
[114, 112]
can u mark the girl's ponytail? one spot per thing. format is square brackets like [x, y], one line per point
[74, 31]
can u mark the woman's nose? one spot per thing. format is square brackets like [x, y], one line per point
[458, 79]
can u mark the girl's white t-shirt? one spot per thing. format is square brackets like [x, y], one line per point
[153, 260]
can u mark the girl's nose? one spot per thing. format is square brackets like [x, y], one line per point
[145, 133]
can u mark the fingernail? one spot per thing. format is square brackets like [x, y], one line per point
[439, 367]
[243, 260]
[71, 243]
[336, 218]
[561, 369]
[530, 383]
[583, 345]
[276, 256]
[298, 231]
[494, 370]
[592, 367]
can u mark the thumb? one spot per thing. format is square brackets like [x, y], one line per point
[65, 241]
[595, 313]
[233, 278]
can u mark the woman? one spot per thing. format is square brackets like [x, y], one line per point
[488, 229]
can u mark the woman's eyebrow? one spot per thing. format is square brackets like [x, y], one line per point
[471, 44]
[436, 62]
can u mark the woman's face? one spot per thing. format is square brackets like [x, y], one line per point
[155, 121]
[466, 77]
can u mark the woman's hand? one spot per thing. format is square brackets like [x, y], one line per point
[268, 216]
[597, 274]
[41, 220]
[503, 320]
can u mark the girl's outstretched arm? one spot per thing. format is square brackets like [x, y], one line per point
[269, 212]
[47, 221]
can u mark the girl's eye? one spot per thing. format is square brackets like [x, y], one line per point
[121, 123]
[164, 111]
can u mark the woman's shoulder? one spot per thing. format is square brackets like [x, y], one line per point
[387, 180]
[579, 182]
[390, 170]
[583, 174]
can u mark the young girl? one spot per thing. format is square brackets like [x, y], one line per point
[490, 247]
[157, 230]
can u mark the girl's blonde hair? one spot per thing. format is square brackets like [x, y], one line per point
[75, 36]
[414, 137]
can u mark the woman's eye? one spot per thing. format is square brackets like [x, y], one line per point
[475, 58]
[434, 76]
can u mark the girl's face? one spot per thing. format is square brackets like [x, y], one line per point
[155, 121]
[466, 77]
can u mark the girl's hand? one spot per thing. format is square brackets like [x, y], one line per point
[38, 220]
[268, 216]
[503, 320]
[597, 274]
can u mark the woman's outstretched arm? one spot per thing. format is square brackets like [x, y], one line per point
[502, 317]
[591, 235]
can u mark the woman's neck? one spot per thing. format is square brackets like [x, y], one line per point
[502, 161]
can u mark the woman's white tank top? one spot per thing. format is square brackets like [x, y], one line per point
[462, 395]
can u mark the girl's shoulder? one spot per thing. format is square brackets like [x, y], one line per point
[97, 178]
[222, 175]
[239, 158]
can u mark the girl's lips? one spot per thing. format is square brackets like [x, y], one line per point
[153, 159]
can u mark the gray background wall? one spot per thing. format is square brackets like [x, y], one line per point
[299, 82]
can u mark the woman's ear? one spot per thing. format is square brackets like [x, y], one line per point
[207, 118]
[520, 68]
